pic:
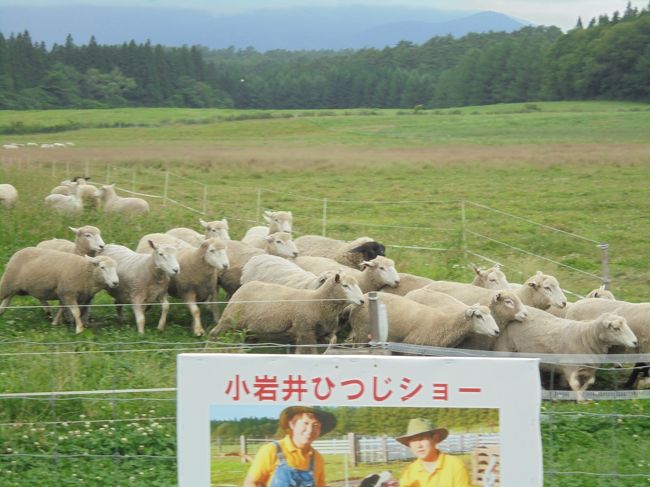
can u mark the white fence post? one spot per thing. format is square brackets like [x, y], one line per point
[166, 188]
[604, 257]
[324, 231]
[258, 212]
[463, 220]
[133, 181]
[205, 199]
[108, 174]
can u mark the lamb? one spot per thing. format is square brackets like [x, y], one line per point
[375, 274]
[412, 322]
[8, 195]
[274, 269]
[66, 204]
[197, 281]
[545, 333]
[408, 283]
[539, 291]
[214, 229]
[117, 204]
[88, 241]
[239, 253]
[144, 279]
[49, 274]
[280, 239]
[638, 318]
[492, 278]
[281, 314]
[278, 221]
[351, 254]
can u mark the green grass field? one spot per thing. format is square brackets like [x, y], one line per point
[400, 177]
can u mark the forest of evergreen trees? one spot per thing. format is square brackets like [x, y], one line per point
[607, 59]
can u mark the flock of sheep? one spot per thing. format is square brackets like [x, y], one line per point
[313, 290]
[72, 196]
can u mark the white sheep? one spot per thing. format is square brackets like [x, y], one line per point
[351, 254]
[274, 269]
[214, 229]
[279, 239]
[600, 293]
[278, 221]
[407, 283]
[144, 279]
[87, 193]
[539, 291]
[281, 314]
[492, 278]
[419, 324]
[69, 204]
[542, 332]
[197, 281]
[239, 253]
[117, 204]
[88, 241]
[8, 195]
[49, 274]
[374, 274]
[638, 318]
[63, 188]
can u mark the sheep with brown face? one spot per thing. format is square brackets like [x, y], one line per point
[351, 254]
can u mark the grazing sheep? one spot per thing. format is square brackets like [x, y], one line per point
[374, 274]
[408, 283]
[88, 241]
[281, 314]
[87, 193]
[197, 281]
[214, 229]
[540, 291]
[492, 278]
[144, 247]
[638, 318]
[66, 204]
[278, 221]
[63, 188]
[274, 269]
[8, 195]
[351, 254]
[542, 332]
[49, 274]
[600, 293]
[144, 279]
[412, 322]
[117, 204]
[280, 239]
[239, 253]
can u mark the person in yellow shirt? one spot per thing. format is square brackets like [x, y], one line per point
[432, 468]
[291, 461]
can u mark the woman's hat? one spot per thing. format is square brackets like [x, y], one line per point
[420, 426]
[327, 419]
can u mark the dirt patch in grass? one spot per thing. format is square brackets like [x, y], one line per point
[343, 156]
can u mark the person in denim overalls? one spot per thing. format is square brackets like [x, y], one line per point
[291, 461]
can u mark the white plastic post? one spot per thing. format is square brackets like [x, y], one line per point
[324, 230]
[166, 188]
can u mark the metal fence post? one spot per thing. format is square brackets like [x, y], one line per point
[258, 212]
[604, 257]
[324, 230]
[205, 199]
[378, 319]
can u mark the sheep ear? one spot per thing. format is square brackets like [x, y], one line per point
[337, 277]
[74, 230]
[225, 222]
[93, 260]
[203, 223]
[498, 297]
[269, 238]
[151, 244]
[368, 263]
[475, 268]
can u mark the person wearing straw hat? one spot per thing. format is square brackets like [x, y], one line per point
[432, 468]
[291, 461]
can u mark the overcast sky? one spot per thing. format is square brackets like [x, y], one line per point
[562, 13]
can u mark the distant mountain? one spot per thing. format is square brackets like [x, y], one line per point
[291, 28]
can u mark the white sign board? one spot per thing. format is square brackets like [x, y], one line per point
[217, 387]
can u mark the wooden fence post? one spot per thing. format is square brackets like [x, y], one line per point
[242, 445]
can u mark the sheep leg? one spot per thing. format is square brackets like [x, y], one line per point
[138, 311]
[575, 383]
[57, 318]
[163, 313]
[76, 314]
[213, 305]
[640, 368]
[190, 301]
[46, 307]
[5, 304]
[305, 337]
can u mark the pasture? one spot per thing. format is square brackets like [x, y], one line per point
[401, 177]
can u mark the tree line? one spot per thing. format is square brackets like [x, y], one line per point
[369, 421]
[607, 59]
